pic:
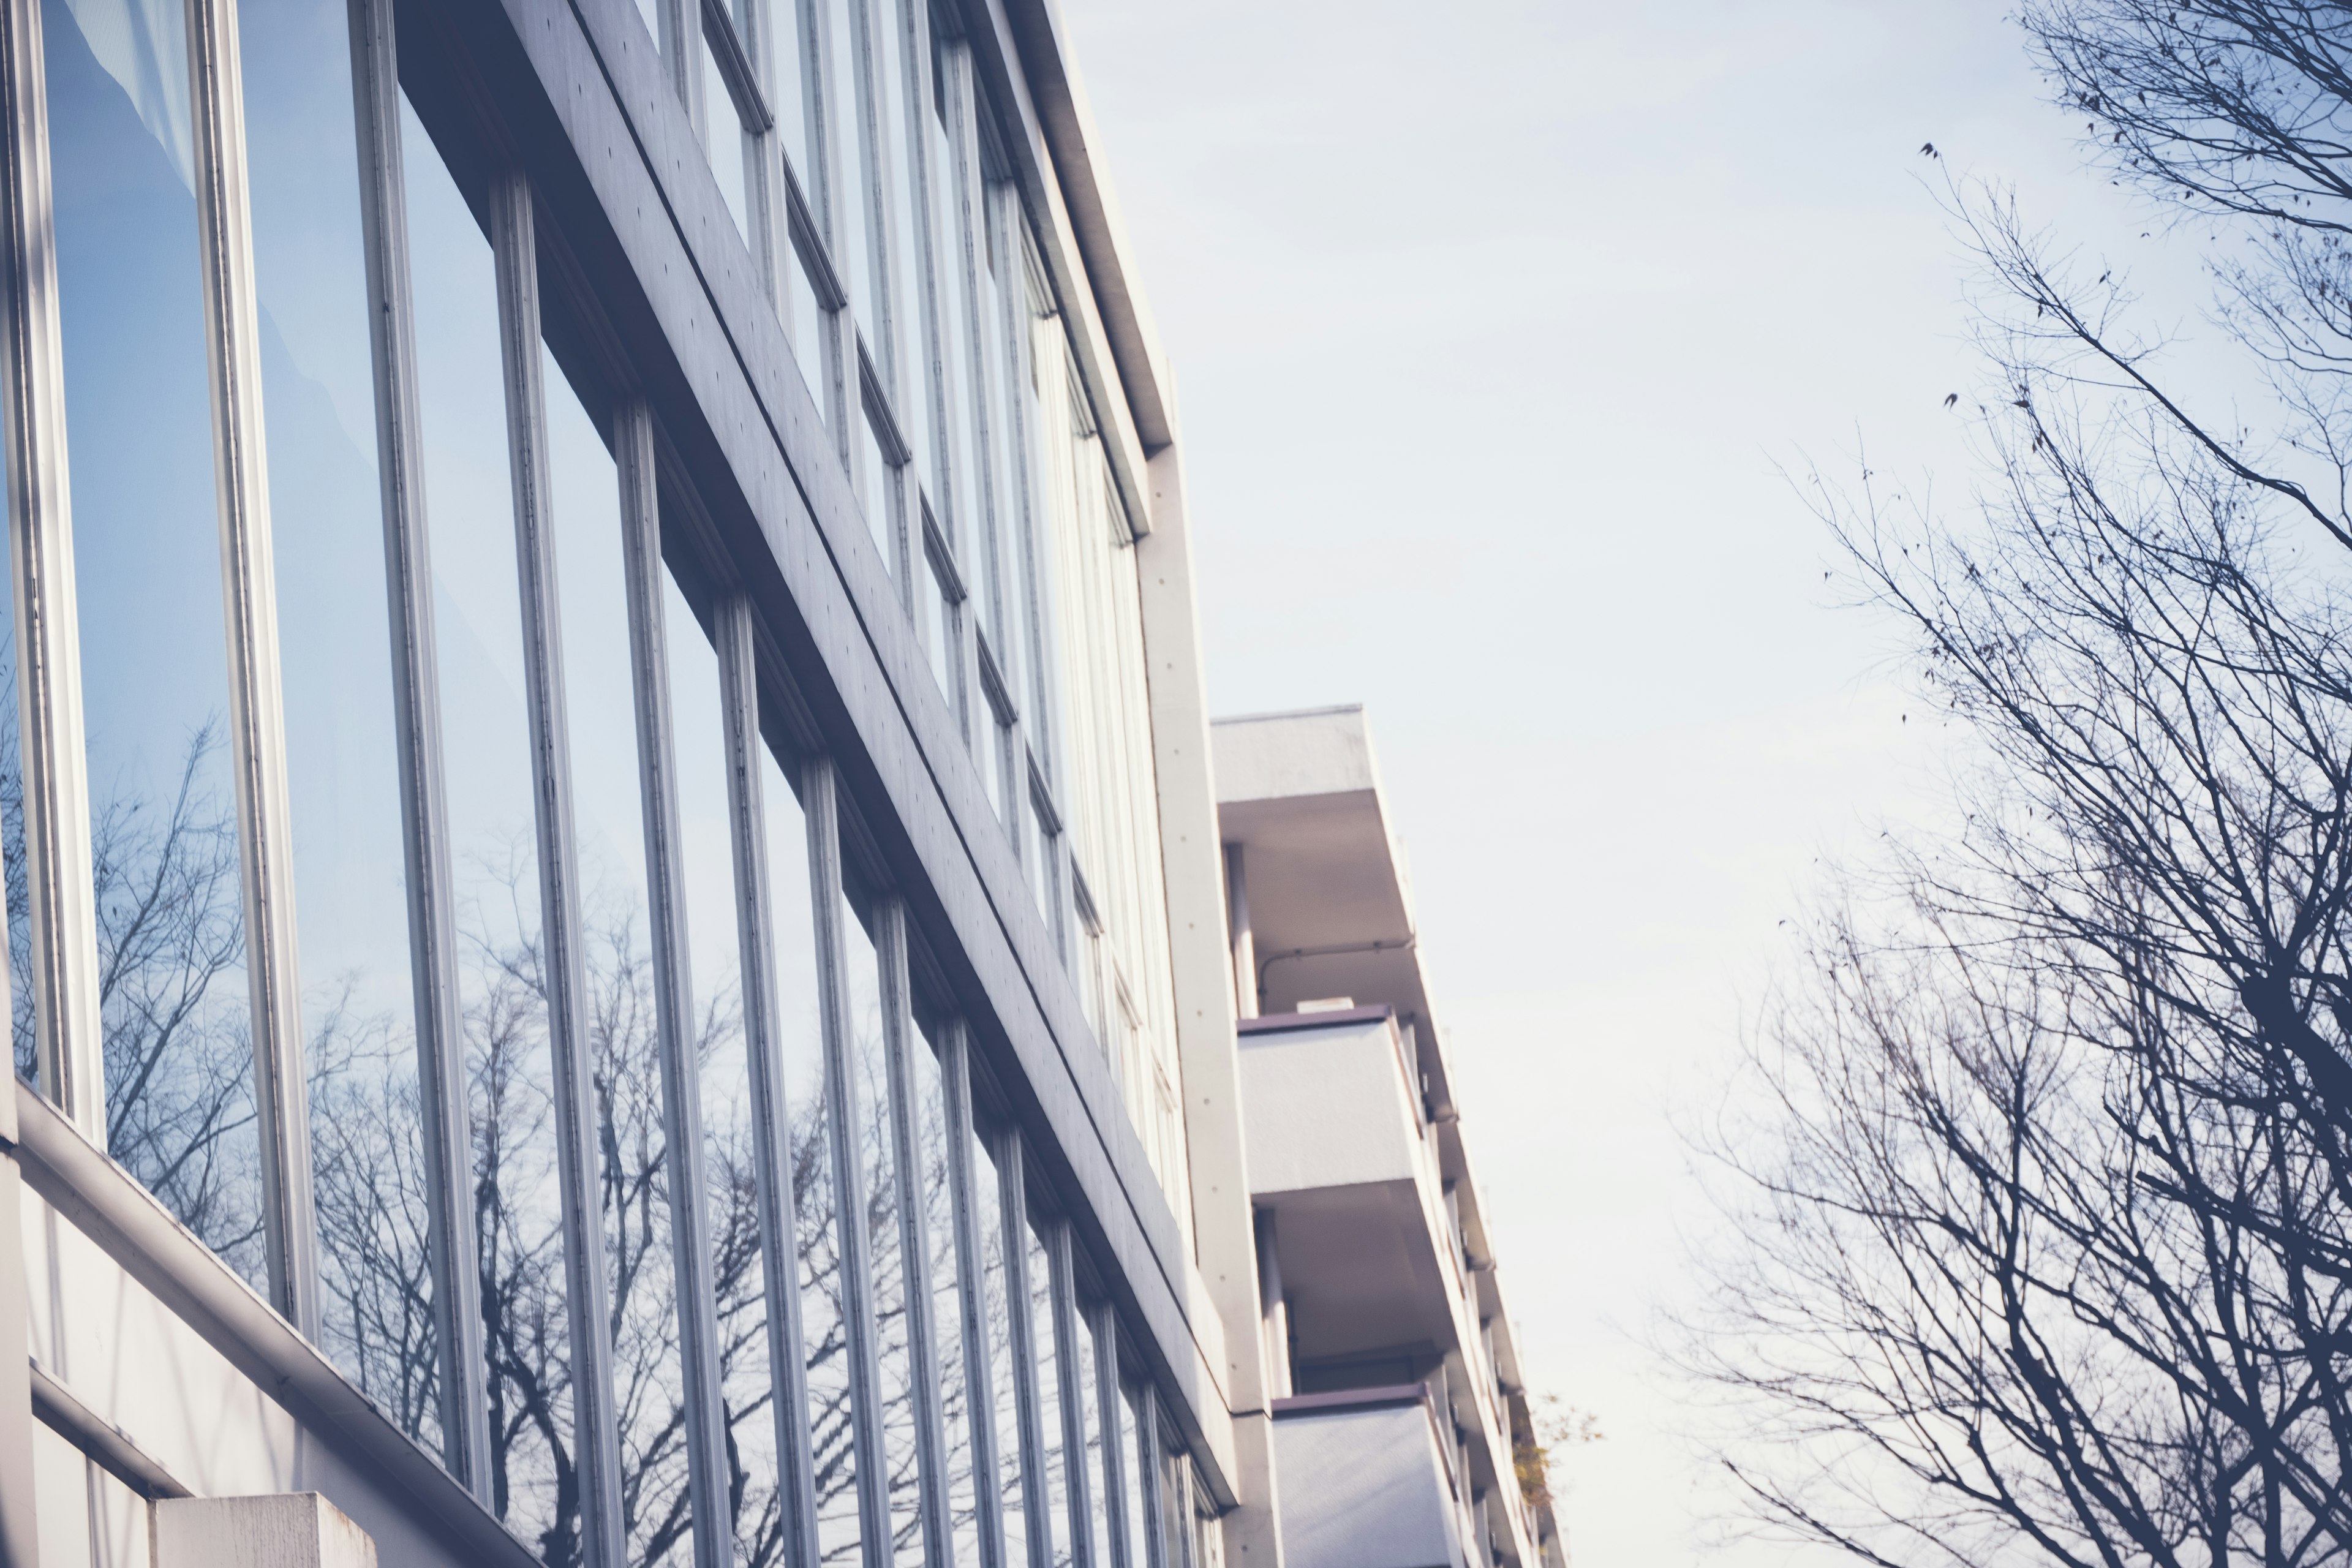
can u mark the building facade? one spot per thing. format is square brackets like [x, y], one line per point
[618, 940]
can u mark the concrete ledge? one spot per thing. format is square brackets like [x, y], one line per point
[290, 1529]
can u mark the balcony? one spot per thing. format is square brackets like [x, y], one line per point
[1366, 1483]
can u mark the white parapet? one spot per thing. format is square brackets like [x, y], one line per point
[286, 1529]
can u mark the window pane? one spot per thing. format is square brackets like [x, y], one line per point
[342, 758]
[788, 75]
[955, 284]
[1090, 1409]
[808, 322]
[940, 634]
[608, 822]
[171, 931]
[1049, 1400]
[801, 1052]
[851, 241]
[725, 140]
[22, 1045]
[883, 1195]
[910, 377]
[730, 1168]
[932, 1132]
[988, 1197]
[877, 494]
[494, 857]
[1044, 870]
[1131, 1465]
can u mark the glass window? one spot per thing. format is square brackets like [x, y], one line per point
[817, 1215]
[608, 828]
[884, 1192]
[1055, 1525]
[23, 1045]
[725, 140]
[1097, 1460]
[939, 631]
[910, 377]
[177, 1018]
[1130, 1468]
[854, 253]
[808, 323]
[787, 67]
[494, 856]
[1044, 870]
[956, 304]
[988, 1197]
[730, 1170]
[878, 491]
[932, 1133]
[343, 759]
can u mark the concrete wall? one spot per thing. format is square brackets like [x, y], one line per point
[1364, 1488]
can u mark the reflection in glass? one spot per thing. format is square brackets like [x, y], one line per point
[786, 76]
[342, 758]
[623, 1037]
[1130, 1467]
[1049, 1398]
[883, 1190]
[877, 482]
[730, 1168]
[932, 1132]
[23, 1047]
[806, 320]
[824, 1339]
[909, 377]
[171, 930]
[852, 242]
[987, 1192]
[493, 853]
[1090, 1416]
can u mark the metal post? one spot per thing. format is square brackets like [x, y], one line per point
[821, 797]
[433, 938]
[597, 1435]
[681, 1074]
[900, 1043]
[979, 1392]
[762, 1049]
[63, 916]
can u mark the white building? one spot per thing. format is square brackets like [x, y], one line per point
[619, 948]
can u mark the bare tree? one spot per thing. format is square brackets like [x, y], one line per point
[2047, 1162]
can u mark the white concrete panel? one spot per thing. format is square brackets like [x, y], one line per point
[119, 1523]
[1363, 1489]
[1325, 1106]
[140, 1368]
[298, 1530]
[61, 1483]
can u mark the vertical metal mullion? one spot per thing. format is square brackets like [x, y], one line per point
[1112, 1401]
[597, 1433]
[425, 806]
[249, 616]
[1012, 1198]
[900, 1043]
[979, 1392]
[1062, 1288]
[763, 1048]
[690, 1196]
[1152, 1461]
[63, 916]
[821, 797]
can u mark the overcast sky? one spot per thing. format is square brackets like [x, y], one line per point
[1492, 321]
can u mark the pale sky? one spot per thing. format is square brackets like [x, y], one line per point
[1490, 321]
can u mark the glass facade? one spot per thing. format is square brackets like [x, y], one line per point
[555, 833]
